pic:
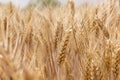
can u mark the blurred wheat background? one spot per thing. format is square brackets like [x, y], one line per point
[60, 42]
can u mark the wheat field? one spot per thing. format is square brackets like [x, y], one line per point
[62, 43]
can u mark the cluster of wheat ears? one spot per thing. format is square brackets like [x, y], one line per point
[62, 43]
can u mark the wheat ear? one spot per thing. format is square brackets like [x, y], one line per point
[61, 56]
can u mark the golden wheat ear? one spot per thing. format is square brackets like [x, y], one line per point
[116, 65]
[58, 34]
[62, 54]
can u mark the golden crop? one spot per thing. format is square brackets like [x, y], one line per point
[62, 43]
